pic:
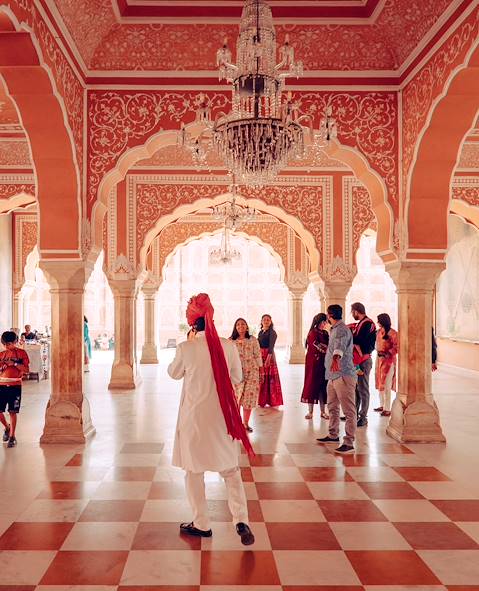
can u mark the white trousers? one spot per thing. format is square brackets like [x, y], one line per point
[385, 395]
[195, 490]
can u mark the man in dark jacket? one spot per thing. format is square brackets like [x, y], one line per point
[364, 336]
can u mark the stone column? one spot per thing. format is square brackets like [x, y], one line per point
[67, 418]
[124, 373]
[318, 288]
[336, 292]
[149, 353]
[296, 351]
[415, 416]
[17, 309]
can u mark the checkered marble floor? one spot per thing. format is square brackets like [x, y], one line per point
[105, 517]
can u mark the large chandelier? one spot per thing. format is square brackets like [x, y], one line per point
[225, 254]
[264, 129]
[258, 136]
[234, 216]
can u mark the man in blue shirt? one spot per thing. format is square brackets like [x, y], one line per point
[342, 378]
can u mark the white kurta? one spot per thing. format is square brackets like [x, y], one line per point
[201, 441]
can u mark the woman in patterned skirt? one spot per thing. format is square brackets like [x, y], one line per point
[252, 364]
[270, 392]
[315, 382]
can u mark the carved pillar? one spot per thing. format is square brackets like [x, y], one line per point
[296, 350]
[149, 352]
[17, 309]
[124, 373]
[297, 282]
[415, 416]
[336, 292]
[24, 314]
[67, 418]
[318, 285]
[338, 277]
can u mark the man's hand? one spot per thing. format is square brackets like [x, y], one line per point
[434, 367]
[336, 364]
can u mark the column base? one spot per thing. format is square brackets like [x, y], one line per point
[149, 354]
[124, 377]
[416, 423]
[296, 355]
[64, 423]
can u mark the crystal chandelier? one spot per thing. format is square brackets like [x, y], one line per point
[259, 135]
[224, 254]
[233, 215]
[264, 129]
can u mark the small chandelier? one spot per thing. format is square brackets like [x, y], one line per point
[224, 254]
[233, 215]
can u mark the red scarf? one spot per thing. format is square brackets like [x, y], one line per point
[200, 307]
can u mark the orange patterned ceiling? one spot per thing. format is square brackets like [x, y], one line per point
[106, 40]
[222, 9]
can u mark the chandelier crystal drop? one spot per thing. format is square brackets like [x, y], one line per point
[232, 215]
[225, 254]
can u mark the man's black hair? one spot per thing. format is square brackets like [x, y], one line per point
[336, 311]
[358, 307]
[9, 337]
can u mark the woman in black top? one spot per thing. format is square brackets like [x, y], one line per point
[270, 393]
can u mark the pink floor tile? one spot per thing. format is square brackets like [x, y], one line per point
[163, 536]
[112, 511]
[238, 568]
[162, 567]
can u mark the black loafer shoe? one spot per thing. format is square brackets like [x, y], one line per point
[328, 439]
[344, 449]
[6, 434]
[191, 530]
[362, 423]
[243, 530]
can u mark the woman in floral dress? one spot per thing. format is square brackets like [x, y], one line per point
[252, 364]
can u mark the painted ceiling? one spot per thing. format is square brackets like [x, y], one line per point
[149, 35]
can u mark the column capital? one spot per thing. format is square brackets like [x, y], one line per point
[297, 283]
[124, 287]
[151, 285]
[417, 277]
[65, 275]
[335, 289]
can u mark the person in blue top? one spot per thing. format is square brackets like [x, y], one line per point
[342, 377]
[87, 343]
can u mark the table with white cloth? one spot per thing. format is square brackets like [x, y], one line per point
[38, 354]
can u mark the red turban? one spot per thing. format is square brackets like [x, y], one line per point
[200, 307]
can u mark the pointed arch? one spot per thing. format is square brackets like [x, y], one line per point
[437, 152]
[29, 84]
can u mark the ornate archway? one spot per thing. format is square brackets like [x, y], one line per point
[450, 118]
[29, 83]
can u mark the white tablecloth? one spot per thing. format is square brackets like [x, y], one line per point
[39, 358]
[35, 355]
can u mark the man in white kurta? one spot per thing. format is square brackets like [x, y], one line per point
[201, 441]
